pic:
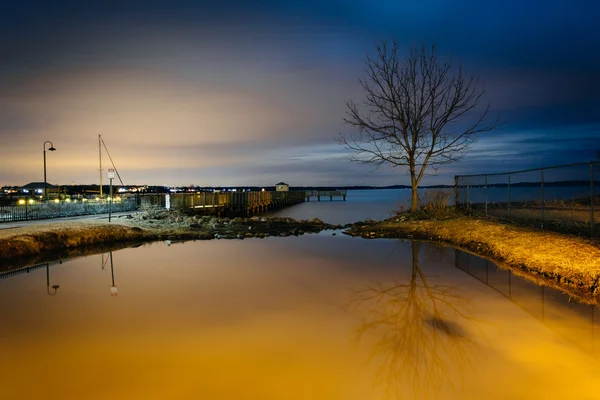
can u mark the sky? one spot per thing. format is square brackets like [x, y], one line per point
[213, 93]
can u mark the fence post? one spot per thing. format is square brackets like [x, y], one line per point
[467, 197]
[456, 191]
[542, 186]
[486, 196]
[509, 195]
[592, 199]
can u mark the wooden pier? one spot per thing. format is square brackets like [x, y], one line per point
[233, 203]
[326, 193]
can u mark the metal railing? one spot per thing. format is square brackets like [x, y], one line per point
[63, 208]
[562, 197]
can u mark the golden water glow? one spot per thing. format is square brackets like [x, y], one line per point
[278, 319]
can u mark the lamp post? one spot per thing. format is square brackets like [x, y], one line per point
[45, 182]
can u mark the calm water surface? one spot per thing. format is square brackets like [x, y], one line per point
[313, 317]
[359, 205]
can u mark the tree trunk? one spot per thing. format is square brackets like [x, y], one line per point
[414, 203]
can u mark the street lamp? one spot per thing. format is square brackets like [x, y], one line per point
[45, 182]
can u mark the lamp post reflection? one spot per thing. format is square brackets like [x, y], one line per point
[113, 288]
[419, 332]
[54, 287]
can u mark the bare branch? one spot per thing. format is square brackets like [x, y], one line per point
[417, 112]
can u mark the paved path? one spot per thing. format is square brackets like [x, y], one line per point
[98, 217]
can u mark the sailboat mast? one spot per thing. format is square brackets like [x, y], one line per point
[100, 158]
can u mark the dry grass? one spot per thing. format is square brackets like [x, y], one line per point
[436, 204]
[570, 261]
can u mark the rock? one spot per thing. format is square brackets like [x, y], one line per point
[249, 235]
[333, 234]
[284, 234]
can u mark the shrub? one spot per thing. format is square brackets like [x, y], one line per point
[436, 204]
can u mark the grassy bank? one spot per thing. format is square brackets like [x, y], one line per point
[568, 262]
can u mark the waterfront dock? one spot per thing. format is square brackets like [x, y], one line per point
[326, 193]
[225, 203]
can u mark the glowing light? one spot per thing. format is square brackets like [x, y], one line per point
[30, 201]
[21, 202]
[97, 198]
[56, 200]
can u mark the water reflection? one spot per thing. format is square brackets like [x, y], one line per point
[54, 287]
[421, 333]
[113, 288]
[574, 321]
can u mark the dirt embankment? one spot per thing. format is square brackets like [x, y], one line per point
[567, 262]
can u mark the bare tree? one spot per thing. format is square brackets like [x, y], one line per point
[418, 113]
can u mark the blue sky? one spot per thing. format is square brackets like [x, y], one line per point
[253, 92]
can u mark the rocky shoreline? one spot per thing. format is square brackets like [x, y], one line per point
[207, 227]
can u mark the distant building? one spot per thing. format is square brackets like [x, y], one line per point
[37, 189]
[282, 187]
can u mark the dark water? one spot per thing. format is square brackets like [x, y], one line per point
[359, 205]
[313, 317]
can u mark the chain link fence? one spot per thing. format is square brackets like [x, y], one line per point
[563, 198]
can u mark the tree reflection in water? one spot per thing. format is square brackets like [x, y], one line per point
[420, 344]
